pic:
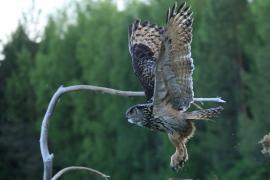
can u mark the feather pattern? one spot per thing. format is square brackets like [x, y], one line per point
[144, 47]
[162, 61]
[174, 84]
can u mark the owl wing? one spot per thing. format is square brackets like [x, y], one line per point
[173, 76]
[144, 46]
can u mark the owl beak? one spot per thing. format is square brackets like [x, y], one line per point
[130, 121]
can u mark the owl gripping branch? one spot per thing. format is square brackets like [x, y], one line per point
[161, 59]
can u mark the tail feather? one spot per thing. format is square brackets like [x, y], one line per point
[204, 114]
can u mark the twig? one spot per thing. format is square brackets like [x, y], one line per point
[72, 168]
[197, 105]
[217, 99]
[46, 156]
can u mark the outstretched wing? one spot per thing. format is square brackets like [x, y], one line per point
[173, 77]
[144, 47]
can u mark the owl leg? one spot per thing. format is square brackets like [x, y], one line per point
[180, 156]
[180, 139]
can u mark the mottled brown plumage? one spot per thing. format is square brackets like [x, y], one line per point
[175, 66]
[144, 45]
[162, 61]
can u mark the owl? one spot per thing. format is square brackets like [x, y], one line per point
[161, 59]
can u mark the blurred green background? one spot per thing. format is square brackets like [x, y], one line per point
[231, 52]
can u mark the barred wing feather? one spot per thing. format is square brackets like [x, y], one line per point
[174, 68]
[144, 47]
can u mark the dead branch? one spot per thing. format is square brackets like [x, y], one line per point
[217, 99]
[72, 168]
[47, 157]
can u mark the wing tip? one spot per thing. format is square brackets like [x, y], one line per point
[183, 10]
[138, 25]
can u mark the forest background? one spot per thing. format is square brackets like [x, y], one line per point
[231, 52]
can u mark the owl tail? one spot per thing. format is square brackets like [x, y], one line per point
[204, 114]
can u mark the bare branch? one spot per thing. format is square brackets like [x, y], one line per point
[46, 156]
[217, 99]
[102, 90]
[72, 168]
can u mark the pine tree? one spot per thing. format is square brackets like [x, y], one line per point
[18, 140]
[253, 122]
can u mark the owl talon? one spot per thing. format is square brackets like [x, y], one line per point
[177, 162]
[175, 169]
[178, 167]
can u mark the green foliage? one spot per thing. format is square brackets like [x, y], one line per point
[18, 140]
[231, 54]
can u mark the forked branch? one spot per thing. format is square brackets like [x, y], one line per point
[47, 157]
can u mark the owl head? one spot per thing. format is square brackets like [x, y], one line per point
[139, 114]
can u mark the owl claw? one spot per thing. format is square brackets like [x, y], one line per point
[178, 167]
[174, 169]
[177, 162]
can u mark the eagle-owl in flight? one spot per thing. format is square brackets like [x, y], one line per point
[161, 59]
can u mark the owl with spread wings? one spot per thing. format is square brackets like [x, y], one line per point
[161, 59]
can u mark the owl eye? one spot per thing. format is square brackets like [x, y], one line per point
[132, 111]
